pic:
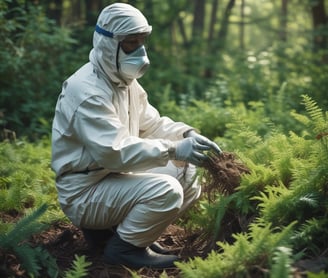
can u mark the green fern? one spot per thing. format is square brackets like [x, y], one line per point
[223, 204]
[247, 137]
[301, 118]
[253, 184]
[24, 228]
[318, 121]
[310, 235]
[239, 259]
[26, 179]
[301, 171]
[286, 190]
[47, 261]
[282, 263]
[79, 268]
[34, 259]
[15, 240]
[16, 194]
[29, 258]
[280, 206]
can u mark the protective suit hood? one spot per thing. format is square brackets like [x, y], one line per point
[114, 23]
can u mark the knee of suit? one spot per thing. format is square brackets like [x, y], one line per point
[173, 197]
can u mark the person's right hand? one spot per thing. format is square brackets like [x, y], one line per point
[204, 141]
[190, 150]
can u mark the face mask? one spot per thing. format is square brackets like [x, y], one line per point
[134, 64]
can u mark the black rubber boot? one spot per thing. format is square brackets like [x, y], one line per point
[97, 239]
[119, 252]
[157, 248]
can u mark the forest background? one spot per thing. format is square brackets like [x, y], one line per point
[249, 74]
[217, 54]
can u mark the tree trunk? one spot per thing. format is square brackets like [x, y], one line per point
[54, 10]
[225, 24]
[76, 12]
[199, 16]
[282, 37]
[319, 19]
[213, 20]
[283, 20]
[93, 8]
[215, 45]
[182, 32]
[242, 25]
[208, 72]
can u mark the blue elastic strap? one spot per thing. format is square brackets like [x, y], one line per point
[104, 32]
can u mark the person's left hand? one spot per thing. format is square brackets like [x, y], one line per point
[204, 141]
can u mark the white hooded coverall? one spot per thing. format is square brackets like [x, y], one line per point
[110, 146]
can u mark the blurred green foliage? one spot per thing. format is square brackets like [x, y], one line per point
[35, 56]
[26, 179]
[266, 79]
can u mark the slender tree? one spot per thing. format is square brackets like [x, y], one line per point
[320, 27]
[199, 17]
[93, 7]
[283, 20]
[183, 32]
[211, 42]
[225, 24]
[213, 21]
[54, 10]
[242, 25]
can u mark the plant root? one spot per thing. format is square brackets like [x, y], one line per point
[223, 174]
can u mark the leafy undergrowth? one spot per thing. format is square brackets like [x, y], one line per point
[264, 212]
[246, 244]
[64, 242]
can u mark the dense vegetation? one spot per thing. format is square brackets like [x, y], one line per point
[252, 76]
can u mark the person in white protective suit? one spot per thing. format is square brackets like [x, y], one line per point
[123, 172]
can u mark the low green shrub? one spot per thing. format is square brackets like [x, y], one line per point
[26, 179]
[284, 197]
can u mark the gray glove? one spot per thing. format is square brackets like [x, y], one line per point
[204, 141]
[191, 151]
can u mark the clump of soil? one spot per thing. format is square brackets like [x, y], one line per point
[223, 173]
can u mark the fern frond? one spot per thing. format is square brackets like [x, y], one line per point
[259, 244]
[35, 259]
[311, 234]
[26, 178]
[79, 268]
[318, 122]
[251, 249]
[303, 119]
[28, 257]
[310, 199]
[282, 263]
[299, 146]
[47, 261]
[274, 202]
[15, 194]
[223, 203]
[246, 136]
[23, 229]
